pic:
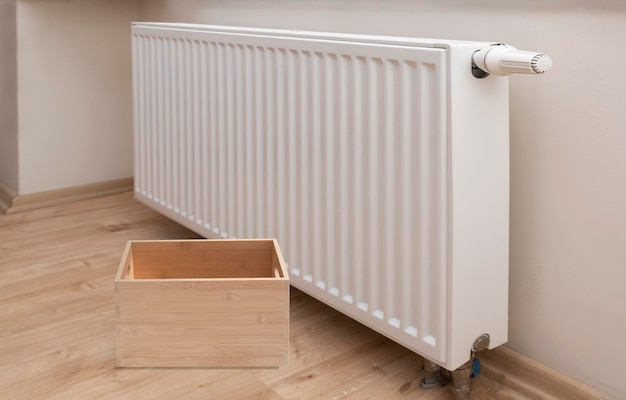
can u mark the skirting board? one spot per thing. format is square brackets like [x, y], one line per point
[17, 203]
[531, 378]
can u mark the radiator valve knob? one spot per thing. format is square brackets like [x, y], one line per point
[502, 59]
[481, 343]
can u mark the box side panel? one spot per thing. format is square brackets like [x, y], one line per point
[278, 263]
[125, 263]
[202, 323]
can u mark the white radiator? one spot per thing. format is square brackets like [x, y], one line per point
[380, 164]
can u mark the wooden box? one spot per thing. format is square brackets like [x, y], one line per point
[202, 303]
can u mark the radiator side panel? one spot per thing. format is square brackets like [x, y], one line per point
[478, 278]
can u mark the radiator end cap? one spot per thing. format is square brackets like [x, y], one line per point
[541, 63]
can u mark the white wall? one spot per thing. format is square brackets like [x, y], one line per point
[8, 96]
[75, 92]
[568, 152]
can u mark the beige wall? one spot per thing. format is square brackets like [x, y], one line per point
[8, 96]
[75, 92]
[568, 151]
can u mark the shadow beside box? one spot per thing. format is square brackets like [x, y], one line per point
[202, 303]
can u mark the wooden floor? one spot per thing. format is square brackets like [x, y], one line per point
[57, 324]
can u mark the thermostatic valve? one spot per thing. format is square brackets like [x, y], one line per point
[501, 59]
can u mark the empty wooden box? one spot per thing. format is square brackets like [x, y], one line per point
[202, 303]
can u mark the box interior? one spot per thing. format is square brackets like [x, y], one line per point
[203, 259]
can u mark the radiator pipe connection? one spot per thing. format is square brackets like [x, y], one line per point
[433, 376]
[461, 383]
[502, 59]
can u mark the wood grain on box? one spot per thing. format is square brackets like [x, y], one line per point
[202, 303]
